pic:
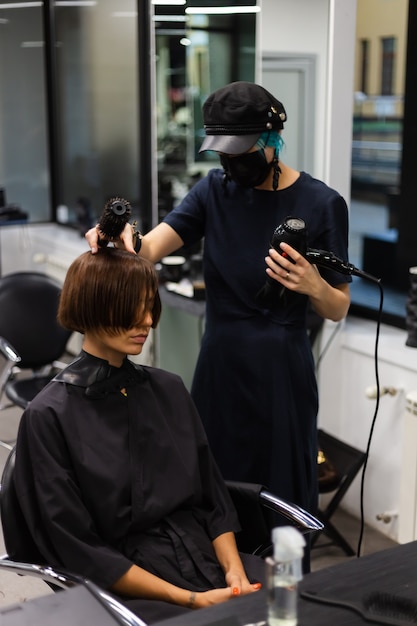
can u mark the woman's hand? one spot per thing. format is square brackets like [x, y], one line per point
[217, 596]
[234, 573]
[239, 584]
[125, 239]
[292, 270]
[301, 276]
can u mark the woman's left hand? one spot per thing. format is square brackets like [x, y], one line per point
[292, 270]
[295, 273]
[240, 585]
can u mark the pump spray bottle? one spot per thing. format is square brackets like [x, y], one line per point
[283, 572]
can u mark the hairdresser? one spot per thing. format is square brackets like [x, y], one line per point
[254, 383]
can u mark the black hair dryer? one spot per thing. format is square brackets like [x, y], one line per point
[293, 231]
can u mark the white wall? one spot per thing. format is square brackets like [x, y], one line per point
[347, 369]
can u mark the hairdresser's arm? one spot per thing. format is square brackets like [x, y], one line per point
[331, 302]
[159, 242]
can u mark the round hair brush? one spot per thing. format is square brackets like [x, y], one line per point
[116, 214]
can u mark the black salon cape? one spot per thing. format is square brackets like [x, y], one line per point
[106, 480]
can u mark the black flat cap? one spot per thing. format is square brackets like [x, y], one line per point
[236, 115]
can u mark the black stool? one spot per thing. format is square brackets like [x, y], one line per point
[344, 463]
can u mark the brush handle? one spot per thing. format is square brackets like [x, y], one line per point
[345, 604]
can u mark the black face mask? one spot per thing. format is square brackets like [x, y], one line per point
[247, 170]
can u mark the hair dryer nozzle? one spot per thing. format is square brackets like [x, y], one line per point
[332, 262]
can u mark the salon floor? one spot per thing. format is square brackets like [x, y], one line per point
[16, 589]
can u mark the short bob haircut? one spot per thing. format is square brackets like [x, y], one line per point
[109, 291]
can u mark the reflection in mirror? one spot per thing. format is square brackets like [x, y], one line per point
[378, 106]
[198, 49]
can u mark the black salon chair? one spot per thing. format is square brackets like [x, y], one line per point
[28, 310]
[344, 463]
[260, 511]
[83, 603]
[17, 538]
[9, 360]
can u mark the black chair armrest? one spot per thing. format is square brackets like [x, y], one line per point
[259, 511]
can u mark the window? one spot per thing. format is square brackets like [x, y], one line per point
[387, 65]
[196, 54]
[364, 65]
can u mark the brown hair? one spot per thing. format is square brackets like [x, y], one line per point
[109, 291]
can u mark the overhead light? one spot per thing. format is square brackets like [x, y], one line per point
[185, 41]
[62, 3]
[20, 5]
[221, 10]
[32, 44]
[171, 32]
[168, 3]
[169, 18]
[75, 3]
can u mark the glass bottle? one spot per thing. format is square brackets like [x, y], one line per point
[284, 571]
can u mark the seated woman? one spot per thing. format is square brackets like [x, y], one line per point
[113, 471]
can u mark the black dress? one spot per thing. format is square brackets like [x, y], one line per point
[106, 480]
[254, 383]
